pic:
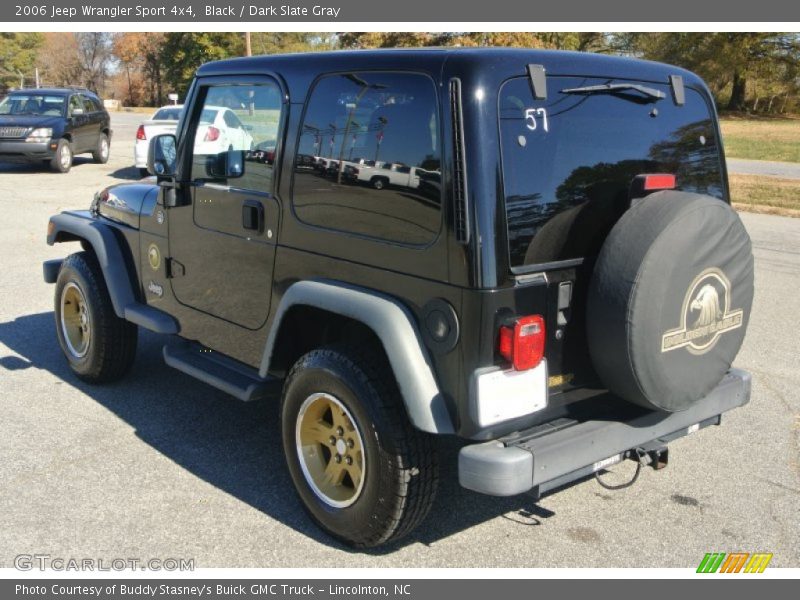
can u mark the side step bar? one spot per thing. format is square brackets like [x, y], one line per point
[230, 376]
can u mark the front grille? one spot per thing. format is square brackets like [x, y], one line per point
[13, 132]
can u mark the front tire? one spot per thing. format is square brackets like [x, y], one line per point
[62, 158]
[362, 471]
[379, 183]
[98, 345]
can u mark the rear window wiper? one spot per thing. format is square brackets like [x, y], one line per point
[614, 88]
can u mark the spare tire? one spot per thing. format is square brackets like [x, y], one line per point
[670, 299]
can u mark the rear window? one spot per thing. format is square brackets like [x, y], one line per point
[168, 114]
[568, 160]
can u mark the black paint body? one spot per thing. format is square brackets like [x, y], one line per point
[231, 279]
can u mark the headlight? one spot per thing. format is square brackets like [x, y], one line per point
[40, 135]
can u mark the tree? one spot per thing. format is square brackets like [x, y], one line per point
[58, 59]
[94, 57]
[127, 48]
[183, 52]
[277, 42]
[728, 62]
[391, 39]
[18, 53]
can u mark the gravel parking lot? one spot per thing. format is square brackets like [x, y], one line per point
[161, 466]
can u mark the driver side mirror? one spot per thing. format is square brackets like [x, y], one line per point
[161, 155]
[226, 165]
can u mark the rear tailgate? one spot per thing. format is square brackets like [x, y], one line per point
[569, 162]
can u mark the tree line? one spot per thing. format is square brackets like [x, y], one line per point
[750, 72]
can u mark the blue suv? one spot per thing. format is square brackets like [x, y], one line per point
[53, 125]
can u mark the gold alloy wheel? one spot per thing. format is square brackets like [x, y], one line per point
[331, 450]
[75, 323]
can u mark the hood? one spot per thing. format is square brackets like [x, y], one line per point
[125, 202]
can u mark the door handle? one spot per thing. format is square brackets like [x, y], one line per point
[253, 215]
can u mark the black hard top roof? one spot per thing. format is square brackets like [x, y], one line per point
[302, 68]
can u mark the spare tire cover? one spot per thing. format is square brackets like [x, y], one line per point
[670, 299]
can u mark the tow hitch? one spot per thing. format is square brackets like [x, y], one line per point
[653, 455]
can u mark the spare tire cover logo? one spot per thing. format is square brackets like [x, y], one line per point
[705, 316]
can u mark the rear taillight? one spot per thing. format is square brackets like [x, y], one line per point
[522, 343]
[659, 181]
[356, 171]
[140, 134]
[212, 134]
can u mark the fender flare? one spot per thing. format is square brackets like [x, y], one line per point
[394, 326]
[107, 250]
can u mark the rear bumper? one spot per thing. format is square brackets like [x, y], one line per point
[558, 453]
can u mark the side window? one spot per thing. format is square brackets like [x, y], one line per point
[366, 141]
[75, 104]
[241, 119]
[88, 104]
[97, 104]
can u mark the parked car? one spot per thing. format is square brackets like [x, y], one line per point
[52, 125]
[576, 297]
[220, 130]
[164, 120]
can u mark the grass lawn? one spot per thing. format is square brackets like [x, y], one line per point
[763, 139]
[766, 194]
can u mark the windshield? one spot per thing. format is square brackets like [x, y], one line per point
[32, 104]
[568, 161]
[168, 114]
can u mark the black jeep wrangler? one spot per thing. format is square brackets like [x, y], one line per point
[557, 276]
[52, 125]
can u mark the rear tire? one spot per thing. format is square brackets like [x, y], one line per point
[62, 159]
[379, 183]
[103, 150]
[339, 402]
[98, 345]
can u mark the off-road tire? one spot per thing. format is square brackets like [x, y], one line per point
[111, 346]
[98, 155]
[401, 466]
[58, 163]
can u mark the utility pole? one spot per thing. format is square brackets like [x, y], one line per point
[248, 48]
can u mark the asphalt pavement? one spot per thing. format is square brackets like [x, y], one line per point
[161, 466]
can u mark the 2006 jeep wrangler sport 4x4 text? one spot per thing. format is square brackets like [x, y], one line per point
[558, 278]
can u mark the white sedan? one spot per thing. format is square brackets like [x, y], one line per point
[219, 130]
[164, 120]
